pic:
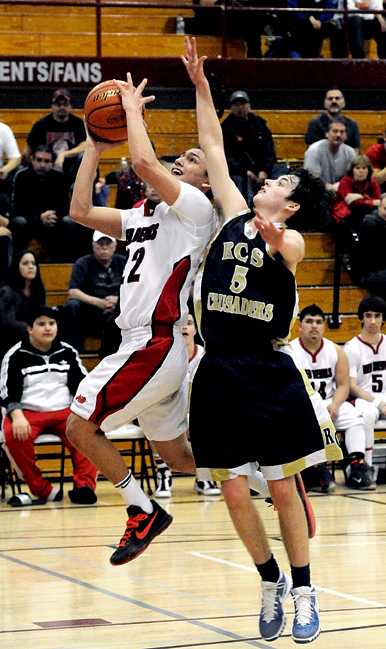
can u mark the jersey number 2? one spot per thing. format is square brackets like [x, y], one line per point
[138, 256]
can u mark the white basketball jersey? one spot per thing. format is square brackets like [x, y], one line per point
[367, 364]
[164, 248]
[319, 367]
[194, 360]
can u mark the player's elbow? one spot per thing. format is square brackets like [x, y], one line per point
[78, 213]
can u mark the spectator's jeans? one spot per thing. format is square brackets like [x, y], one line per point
[80, 320]
[360, 30]
[60, 240]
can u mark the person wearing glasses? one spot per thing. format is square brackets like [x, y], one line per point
[93, 290]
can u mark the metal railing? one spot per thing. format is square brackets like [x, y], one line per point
[180, 6]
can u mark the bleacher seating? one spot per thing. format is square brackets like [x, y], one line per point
[175, 131]
[136, 31]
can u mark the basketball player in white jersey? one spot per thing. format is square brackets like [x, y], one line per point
[202, 484]
[146, 378]
[366, 355]
[326, 366]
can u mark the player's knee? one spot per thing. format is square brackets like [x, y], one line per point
[282, 491]
[76, 429]
[235, 491]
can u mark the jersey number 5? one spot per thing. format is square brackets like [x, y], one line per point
[239, 279]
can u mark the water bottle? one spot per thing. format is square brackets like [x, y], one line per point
[180, 24]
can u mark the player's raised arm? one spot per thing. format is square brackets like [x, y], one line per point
[105, 219]
[225, 192]
[143, 158]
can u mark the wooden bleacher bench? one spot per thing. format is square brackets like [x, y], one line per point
[173, 131]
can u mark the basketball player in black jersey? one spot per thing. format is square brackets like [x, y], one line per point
[256, 401]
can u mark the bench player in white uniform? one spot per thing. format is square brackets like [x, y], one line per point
[258, 402]
[366, 355]
[146, 378]
[326, 366]
[203, 483]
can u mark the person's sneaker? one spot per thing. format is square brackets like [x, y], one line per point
[272, 616]
[311, 523]
[327, 482]
[164, 483]
[206, 488]
[306, 626]
[83, 495]
[141, 529]
[359, 477]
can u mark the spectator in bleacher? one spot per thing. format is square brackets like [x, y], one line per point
[357, 195]
[334, 103]
[330, 157]
[249, 146]
[308, 30]
[39, 377]
[8, 149]
[245, 24]
[64, 132]
[369, 264]
[40, 207]
[93, 290]
[362, 27]
[23, 290]
[377, 156]
[326, 366]
[366, 355]
[6, 246]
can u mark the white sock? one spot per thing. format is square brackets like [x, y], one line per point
[258, 483]
[369, 456]
[355, 439]
[52, 493]
[133, 494]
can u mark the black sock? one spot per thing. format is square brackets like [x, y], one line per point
[269, 571]
[301, 576]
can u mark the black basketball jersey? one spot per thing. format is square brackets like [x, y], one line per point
[247, 297]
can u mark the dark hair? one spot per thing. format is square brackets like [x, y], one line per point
[16, 281]
[315, 202]
[332, 90]
[44, 148]
[360, 160]
[39, 310]
[311, 309]
[372, 303]
[336, 120]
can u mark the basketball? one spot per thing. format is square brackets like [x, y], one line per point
[104, 114]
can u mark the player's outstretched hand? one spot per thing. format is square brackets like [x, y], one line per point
[132, 97]
[271, 233]
[193, 64]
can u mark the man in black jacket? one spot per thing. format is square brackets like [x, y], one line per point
[40, 206]
[39, 377]
[368, 260]
[249, 147]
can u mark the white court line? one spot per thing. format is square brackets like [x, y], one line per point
[325, 590]
[313, 545]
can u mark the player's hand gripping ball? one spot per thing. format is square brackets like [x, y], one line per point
[104, 114]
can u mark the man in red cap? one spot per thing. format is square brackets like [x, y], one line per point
[61, 130]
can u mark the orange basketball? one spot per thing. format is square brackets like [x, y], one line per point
[104, 114]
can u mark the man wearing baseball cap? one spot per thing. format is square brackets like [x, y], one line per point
[61, 130]
[249, 147]
[93, 290]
